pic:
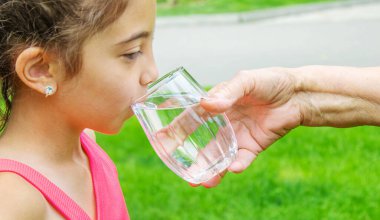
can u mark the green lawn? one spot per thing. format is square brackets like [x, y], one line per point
[313, 173]
[185, 7]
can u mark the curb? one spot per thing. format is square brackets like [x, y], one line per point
[233, 18]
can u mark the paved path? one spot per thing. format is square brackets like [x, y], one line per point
[215, 52]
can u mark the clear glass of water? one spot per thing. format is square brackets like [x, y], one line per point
[193, 143]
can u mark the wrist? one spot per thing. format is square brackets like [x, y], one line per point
[301, 97]
[307, 78]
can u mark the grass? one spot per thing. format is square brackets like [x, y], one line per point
[186, 7]
[313, 173]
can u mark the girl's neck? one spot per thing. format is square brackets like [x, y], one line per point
[38, 131]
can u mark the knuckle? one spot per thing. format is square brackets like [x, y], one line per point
[243, 74]
[223, 84]
[225, 89]
[218, 87]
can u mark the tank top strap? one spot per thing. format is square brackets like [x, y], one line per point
[110, 203]
[67, 207]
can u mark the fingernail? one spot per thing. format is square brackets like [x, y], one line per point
[213, 97]
[208, 99]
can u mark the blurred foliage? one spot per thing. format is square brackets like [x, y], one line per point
[185, 7]
[312, 173]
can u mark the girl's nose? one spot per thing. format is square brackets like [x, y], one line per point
[150, 75]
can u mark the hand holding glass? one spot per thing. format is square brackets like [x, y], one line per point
[193, 143]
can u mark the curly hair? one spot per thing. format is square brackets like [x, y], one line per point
[60, 26]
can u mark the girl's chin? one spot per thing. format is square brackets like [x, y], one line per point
[113, 129]
[116, 127]
[129, 115]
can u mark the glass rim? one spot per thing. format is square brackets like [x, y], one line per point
[154, 86]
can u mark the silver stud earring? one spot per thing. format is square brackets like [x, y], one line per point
[49, 91]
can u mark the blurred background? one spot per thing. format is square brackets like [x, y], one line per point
[312, 173]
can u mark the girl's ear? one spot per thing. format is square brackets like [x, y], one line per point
[36, 69]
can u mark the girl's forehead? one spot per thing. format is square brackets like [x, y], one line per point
[139, 16]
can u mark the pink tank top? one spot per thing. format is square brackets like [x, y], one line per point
[110, 204]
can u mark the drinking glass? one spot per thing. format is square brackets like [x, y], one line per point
[193, 143]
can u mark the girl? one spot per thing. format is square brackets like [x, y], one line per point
[67, 65]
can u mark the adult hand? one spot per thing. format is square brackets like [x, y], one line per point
[262, 106]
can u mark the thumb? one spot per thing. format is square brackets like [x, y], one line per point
[224, 95]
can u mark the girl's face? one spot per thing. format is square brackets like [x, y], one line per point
[118, 65]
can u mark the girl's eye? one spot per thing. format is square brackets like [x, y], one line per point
[132, 56]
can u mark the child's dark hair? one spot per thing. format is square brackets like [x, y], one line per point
[59, 26]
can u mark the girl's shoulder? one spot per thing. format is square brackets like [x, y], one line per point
[19, 199]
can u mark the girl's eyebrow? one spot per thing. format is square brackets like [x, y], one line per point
[143, 34]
